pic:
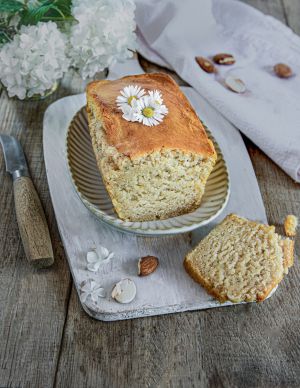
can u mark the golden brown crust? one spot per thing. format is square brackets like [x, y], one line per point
[194, 274]
[241, 220]
[263, 295]
[181, 128]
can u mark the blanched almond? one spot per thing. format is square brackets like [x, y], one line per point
[124, 291]
[235, 84]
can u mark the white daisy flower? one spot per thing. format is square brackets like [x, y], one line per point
[128, 112]
[156, 96]
[128, 95]
[148, 111]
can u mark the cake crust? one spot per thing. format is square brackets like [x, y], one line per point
[154, 172]
[180, 130]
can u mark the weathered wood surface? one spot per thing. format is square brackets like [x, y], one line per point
[47, 340]
[33, 303]
[32, 224]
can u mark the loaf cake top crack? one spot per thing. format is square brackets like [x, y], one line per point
[181, 128]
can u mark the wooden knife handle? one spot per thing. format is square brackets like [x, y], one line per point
[32, 224]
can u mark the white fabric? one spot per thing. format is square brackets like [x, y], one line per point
[172, 33]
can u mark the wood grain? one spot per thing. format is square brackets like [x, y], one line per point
[292, 11]
[32, 224]
[253, 345]
[33, 303]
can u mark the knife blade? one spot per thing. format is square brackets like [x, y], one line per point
[30, 214]
[14, 157]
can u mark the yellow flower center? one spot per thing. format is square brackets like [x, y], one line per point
[148, 112]
[129, 100]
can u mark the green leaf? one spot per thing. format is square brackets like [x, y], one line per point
[65, 6]
[3, 37]
[45, 10]
[34, 14]
[11, 6]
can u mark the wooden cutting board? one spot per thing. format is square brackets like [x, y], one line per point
[169, 289]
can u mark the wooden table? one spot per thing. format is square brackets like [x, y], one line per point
[47, 340]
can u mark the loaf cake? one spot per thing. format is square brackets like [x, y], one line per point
[240, 260]
[152, 172]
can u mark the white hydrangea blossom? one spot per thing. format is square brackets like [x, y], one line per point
[34, 60]
[103, 34]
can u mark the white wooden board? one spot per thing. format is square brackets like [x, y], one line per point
[169, 289]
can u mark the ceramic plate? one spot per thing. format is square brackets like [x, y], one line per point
[90, 188]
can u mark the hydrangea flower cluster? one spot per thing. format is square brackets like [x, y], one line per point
[135, 105]
[101, 33]
[34, 60]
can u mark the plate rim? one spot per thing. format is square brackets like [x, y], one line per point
[138, 231]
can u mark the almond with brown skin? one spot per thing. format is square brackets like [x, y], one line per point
[282, 70]
[147, 265]
[205, 64]
[224, 59]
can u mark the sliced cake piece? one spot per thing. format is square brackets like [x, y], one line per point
[240, 260]
[150, 172]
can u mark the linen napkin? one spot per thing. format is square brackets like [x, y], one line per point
[172, 33]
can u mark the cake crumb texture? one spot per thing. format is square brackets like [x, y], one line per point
[150, 173]
[240, 260]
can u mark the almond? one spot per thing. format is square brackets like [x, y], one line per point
[235, 84]
[224, 59]
[205, 64]
[124, 291]
[147, 265]
[282, 70]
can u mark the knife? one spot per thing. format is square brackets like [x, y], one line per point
[30, 214]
